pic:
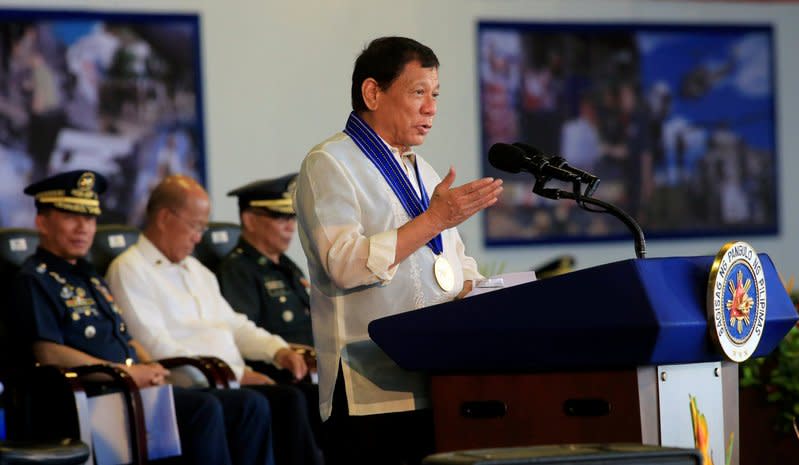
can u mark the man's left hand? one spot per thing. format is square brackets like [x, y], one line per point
[290, 360]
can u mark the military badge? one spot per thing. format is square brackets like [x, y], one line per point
[57, 277]
[66, 292]
[275, 288]
[85, 185]
[104, 291]
[80, 301]
[41, 268]
[736, 300]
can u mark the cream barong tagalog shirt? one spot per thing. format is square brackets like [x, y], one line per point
[348, 218]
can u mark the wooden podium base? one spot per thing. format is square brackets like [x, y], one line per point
[504, 410]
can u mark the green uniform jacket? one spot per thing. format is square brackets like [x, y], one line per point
[273, 295]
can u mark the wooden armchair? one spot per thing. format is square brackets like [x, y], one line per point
[43, 404]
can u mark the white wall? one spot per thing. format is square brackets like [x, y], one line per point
[277, 81]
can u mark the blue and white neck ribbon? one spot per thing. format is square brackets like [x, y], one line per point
[378, 153]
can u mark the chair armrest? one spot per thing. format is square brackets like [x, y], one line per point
[224, 370]
[303, 349]
[48, 374]
[206, 365]
[308, 354]
[44, 386]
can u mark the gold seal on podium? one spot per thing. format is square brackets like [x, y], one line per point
[736, 300]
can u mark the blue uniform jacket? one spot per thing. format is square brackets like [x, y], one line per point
[70, 305]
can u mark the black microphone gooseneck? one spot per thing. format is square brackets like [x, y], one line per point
[605, 207]
[522, 157]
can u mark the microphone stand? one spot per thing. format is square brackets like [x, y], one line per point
[605, 207]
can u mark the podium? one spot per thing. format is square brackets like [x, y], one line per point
[614, 353]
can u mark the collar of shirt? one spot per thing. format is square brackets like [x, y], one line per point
[404, 158]
[285, 264]
[409, 154]
[151, 253]
[59, 265]
[248, 250]
[407, 161]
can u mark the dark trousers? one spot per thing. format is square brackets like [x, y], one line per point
[294, 442]
[306, 387]
[222, 427]
[403, 438]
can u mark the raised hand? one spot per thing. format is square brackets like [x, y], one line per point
[451, 206]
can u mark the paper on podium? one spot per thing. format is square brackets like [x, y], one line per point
[481, 286]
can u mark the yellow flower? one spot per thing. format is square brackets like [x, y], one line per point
[701, 434]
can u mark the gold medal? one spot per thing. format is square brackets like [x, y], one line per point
[443, 273]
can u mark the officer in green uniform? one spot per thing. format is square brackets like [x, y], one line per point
[257, 278]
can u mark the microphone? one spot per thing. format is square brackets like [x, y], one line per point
[560, 162]
[512, 159]
[522, 157]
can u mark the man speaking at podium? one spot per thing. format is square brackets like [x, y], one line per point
[378, 227]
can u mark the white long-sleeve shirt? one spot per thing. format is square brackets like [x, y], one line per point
[176, 309]
[348, 218]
